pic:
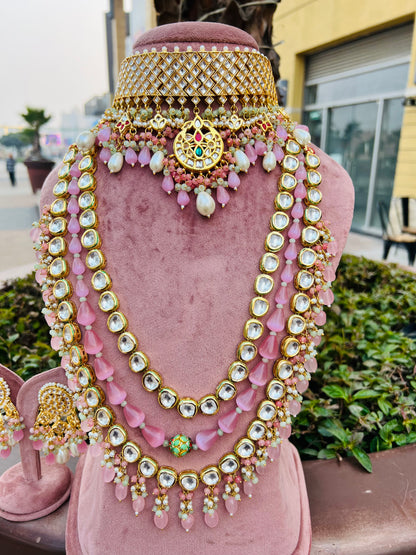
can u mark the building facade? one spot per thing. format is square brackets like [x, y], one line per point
[350, 70]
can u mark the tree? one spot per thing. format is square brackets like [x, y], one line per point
[17, 140]
[35, 118]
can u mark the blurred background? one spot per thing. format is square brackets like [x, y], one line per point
[347, 69]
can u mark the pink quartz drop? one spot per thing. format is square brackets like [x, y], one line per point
[297, 210]
[103, 369]
[206, 439]
[96, 450]
[278, 152]
[260, 148]
[290, 252]
[35, 234]
[183, 199]
[4, 453]
[73, 384]
[231, 504]
[282, 295]
[269, 348]
[50, 458]
[86, 315]
[228, 421]
[259, 374]
[168, 184]
[105, 155]
[131, 157]
[276, 322]
[326, 297]
[250, 153]
[300, 191]
[82, 447]
[138, 505]
[211, 519]
[311, 365]
[287, 274]
[273, 452]
[300, 173]
[317, 340]
[188, 522]
[294, 407]
[104, 134]
[121, 491]
[108, 474]
[144, 156]
[261, 470]
[285, 431]
[248, 487]
[81, 288]
[161, 521]
[73, 206]
[302, 386]
[134, 416]
[75, 246]
[329, 274]
[50, 319]
[281, 132]
[223, 196]
[115, 393]
[40, 275]
[294, 231]
[73, 188]
[75, 171]
[87, 425]
[233, 180]
[73, 226]
[332, 248]
[320, 318]
[18, 435]
[78, 266]
[56, 343]
[246, 399]
[37, 444]
[153, 435]
[92, 343]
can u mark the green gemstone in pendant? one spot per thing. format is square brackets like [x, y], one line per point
[180, 445]
[198, 151]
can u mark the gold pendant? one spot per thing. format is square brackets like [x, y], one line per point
[198, 146]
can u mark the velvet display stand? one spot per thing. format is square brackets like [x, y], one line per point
[185, 283]
[31, 489]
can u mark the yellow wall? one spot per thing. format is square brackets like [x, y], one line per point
[306, 26]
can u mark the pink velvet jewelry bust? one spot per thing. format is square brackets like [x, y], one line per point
[184, 283]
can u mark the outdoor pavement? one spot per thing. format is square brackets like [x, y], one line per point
[19, 208]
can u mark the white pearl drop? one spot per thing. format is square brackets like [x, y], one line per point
[302, 136]
[269, 161]
[62, 456]
[205, 204]
[242, 161]
[85, 140]
[156, 161]
[74, 450]
[116, 162]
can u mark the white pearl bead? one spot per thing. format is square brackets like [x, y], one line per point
[62, 456]
[302, 136]
[241, 160]
[269, 161]
[205, 204]
[156, 161]
[85, 140]
[116, 162]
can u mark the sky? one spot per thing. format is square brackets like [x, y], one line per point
[52, 56]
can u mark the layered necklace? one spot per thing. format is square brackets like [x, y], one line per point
[199, 119]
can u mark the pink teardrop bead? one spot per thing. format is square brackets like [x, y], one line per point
[56, 343]
[260, 148]
[248, 487]
[276, 322]
[317, 340]
[228, 421]
[92, 343]
[282, 295]
[105, 155]
[182, 199]
[300, 173]
[4, 453]
[96, 450]
[121, 491]
[211, 519]
[144, 156]
[81, 288]
[302, 386]
[73, 188]
[206, 439]
[259, 374]
[40, 275]
[78, 266]
[115, 393]
[332, 248]
[34, 234]
[75, 171]
[73, 226]
[18, 435]
[246, 399]
[329, 274]
[320, 318]
[73, 384]
[287, 274]
[73, 206]
[233, 180]
[188, 522]
[294, 231]
[50, 319]
[294, 407]
[134, 416]
[222, 196]
[153, 435]
[326, 297]
[290, 252]
[311, 365]
[86, 315]
[103, 369]
[87, 425]
[108, 474]
[138, 505]
[131, 157]
[50, 458]
[168, 184]
[75, 246]
[273, 452]
[250, 153]
[269, 348]
[300, 191]
[37, 444]
[231, 504]
[281, 132]
[285, 431]
[161, 521]
[278, 152]
[82, 447]
[297, 210]
[104, 134]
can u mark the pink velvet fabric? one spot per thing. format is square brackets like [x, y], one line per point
[185, 283]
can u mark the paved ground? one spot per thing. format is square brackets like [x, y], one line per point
[19, 208]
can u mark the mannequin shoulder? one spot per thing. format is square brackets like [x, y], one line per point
[46, 195]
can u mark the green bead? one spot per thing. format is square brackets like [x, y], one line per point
[198, 151]
[180, 445]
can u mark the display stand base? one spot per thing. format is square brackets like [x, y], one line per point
[22, 500]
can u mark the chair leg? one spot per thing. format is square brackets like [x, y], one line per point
[386, 247]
